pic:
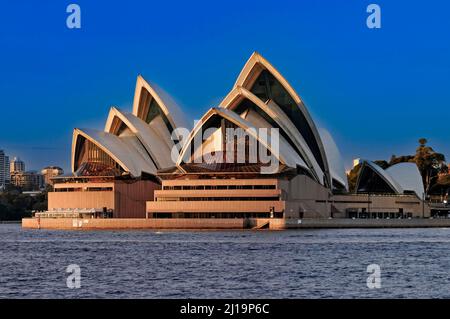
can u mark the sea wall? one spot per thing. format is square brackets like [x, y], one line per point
[132, 223]
[366, 223]
[227, 223]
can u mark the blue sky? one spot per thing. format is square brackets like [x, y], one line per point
[376, 91]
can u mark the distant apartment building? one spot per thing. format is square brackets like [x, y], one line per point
[17, 165]
[27, 181]
[51, 172]
[445, 171]
[4, 170]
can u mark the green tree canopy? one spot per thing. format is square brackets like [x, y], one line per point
[430, 163]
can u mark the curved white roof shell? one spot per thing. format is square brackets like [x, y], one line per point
[408, 176]
[249, 74]
[167, 104]
[238, 94]
[335, 162]
[383, 174]
[157, 147]
[286, 154]
[142, 140]
[135, 144]
[122, 150]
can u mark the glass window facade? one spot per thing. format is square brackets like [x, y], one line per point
[151, 109]
[246, 104]
[371, 182]
[267, 87]
[93, 161]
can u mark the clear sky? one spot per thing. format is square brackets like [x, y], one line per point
[377, 91]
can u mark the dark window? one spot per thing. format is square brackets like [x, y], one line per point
[121, 129]
[264, 187]
[155, 110]
[93, 161]
[268, 87]
[371, 182]
[246, 104]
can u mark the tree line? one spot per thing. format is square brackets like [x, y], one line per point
[14, 205]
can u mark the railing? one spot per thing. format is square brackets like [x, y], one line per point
[72, 213]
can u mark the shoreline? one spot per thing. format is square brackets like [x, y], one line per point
[226, 224]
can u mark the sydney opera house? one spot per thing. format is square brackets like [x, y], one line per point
[257, 157]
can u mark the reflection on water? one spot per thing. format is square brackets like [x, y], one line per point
[225, 264]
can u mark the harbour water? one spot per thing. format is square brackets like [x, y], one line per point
[328, 263]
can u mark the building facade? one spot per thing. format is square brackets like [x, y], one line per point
[114, 170]
[4, 170]
[51, 172]
[27, 181]
[99, 196]
[17, 165]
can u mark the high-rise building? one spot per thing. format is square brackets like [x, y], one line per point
[4, 170]
[17, 165]
[27, 181]
[50, 172]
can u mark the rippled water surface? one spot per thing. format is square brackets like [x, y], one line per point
[414, 263]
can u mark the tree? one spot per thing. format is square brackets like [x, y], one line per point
[429, 162]
[15, 205]
[352, 178]
[383, 164]
[401, 159]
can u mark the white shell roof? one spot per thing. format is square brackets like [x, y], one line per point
[255, 64]
[282, 120]
[286, 154]
[335, 162]
[178, 116]
[122, 152]
[159, 149]
[128, 151]
[407, 175]
[149, 146]
[168, 105]
[384, 175]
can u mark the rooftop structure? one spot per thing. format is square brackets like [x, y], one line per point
[402, 178]
[51, 172]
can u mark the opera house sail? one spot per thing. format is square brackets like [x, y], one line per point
[114, 170]
[398, 179]
[301, 184]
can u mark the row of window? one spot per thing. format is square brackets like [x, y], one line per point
[203, 199]
[216, 215]
[87, 189]
[379, 215]
[209, 187]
